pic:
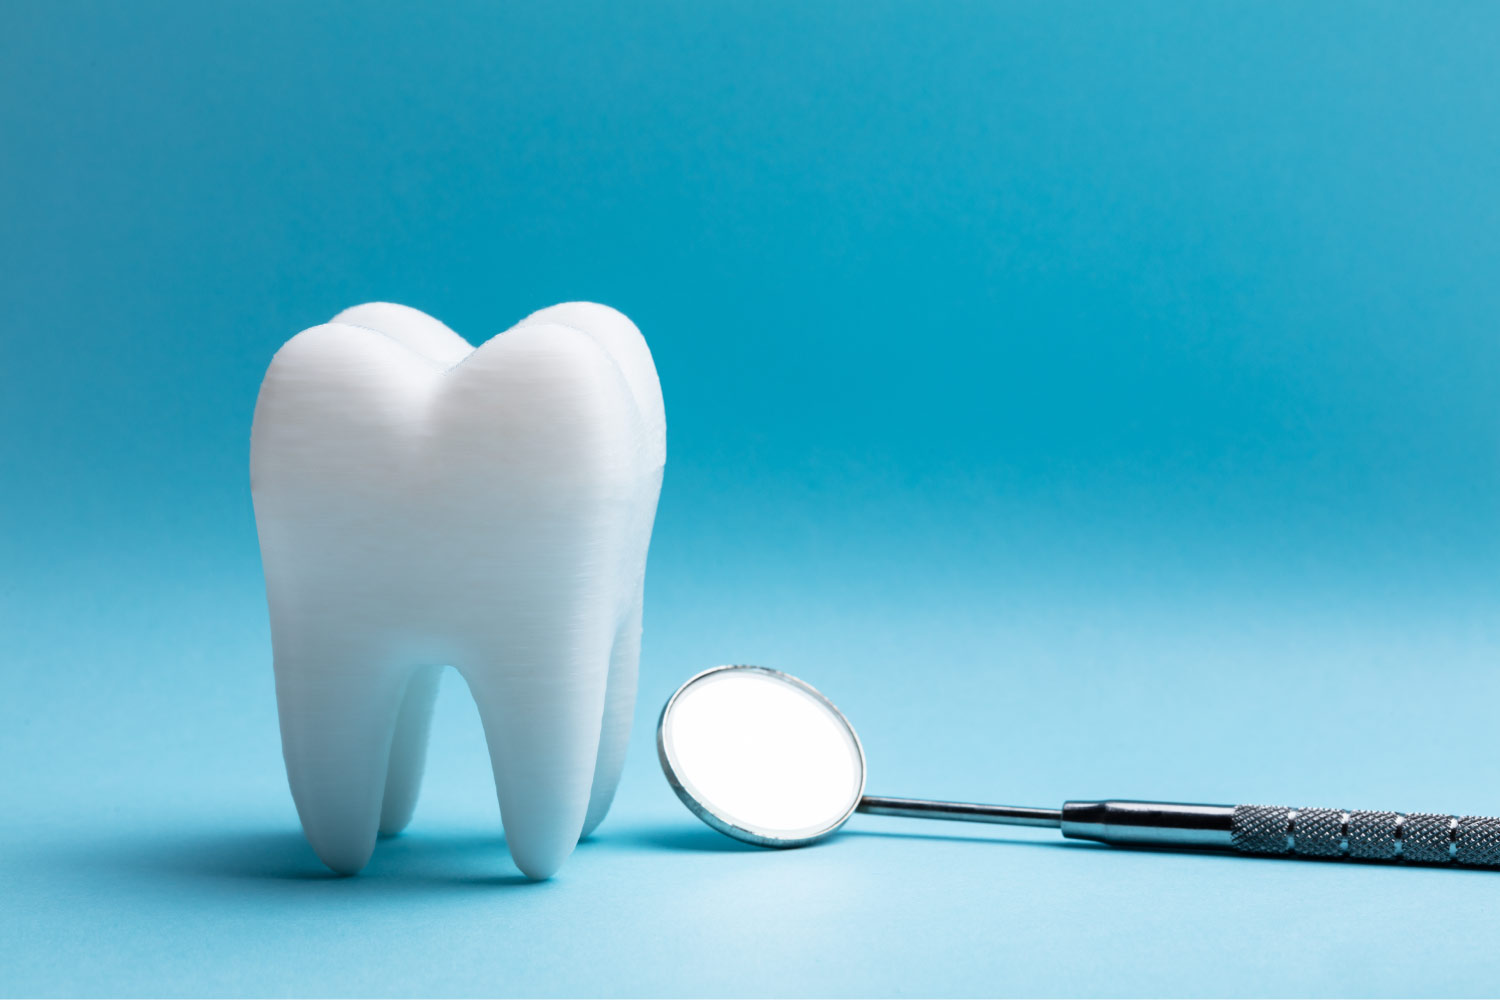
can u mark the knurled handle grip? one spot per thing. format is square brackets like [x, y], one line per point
[1372, 836]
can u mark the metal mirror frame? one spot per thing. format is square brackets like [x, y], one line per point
[724, 824]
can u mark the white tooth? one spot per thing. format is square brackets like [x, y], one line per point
[423, 503]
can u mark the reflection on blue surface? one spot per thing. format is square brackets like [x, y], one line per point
[1090, 400]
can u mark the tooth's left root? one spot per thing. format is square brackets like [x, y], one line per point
[338, 716]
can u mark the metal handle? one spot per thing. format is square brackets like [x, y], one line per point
[1311, 833]
[1373, 836]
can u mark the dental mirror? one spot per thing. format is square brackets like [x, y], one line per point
[765, 758]
[761, 756]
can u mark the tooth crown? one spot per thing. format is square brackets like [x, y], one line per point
[422, 503]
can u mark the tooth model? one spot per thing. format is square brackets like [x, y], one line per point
[424, 503]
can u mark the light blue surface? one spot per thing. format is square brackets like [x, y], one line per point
[1091, 399]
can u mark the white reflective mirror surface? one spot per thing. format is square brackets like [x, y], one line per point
[761, 756]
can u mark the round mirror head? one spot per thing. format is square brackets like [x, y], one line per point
[761, 756]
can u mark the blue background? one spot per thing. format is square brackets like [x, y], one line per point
[1092, 399]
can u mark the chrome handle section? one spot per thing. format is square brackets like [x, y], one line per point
[1161, 824]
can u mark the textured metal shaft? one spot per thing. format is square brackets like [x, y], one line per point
[1371, 836]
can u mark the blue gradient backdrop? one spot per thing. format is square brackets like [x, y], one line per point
[1093, 399]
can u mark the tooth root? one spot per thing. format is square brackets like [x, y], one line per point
[543, 738]
[403, 779]
[338, 712]
[619, 705]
